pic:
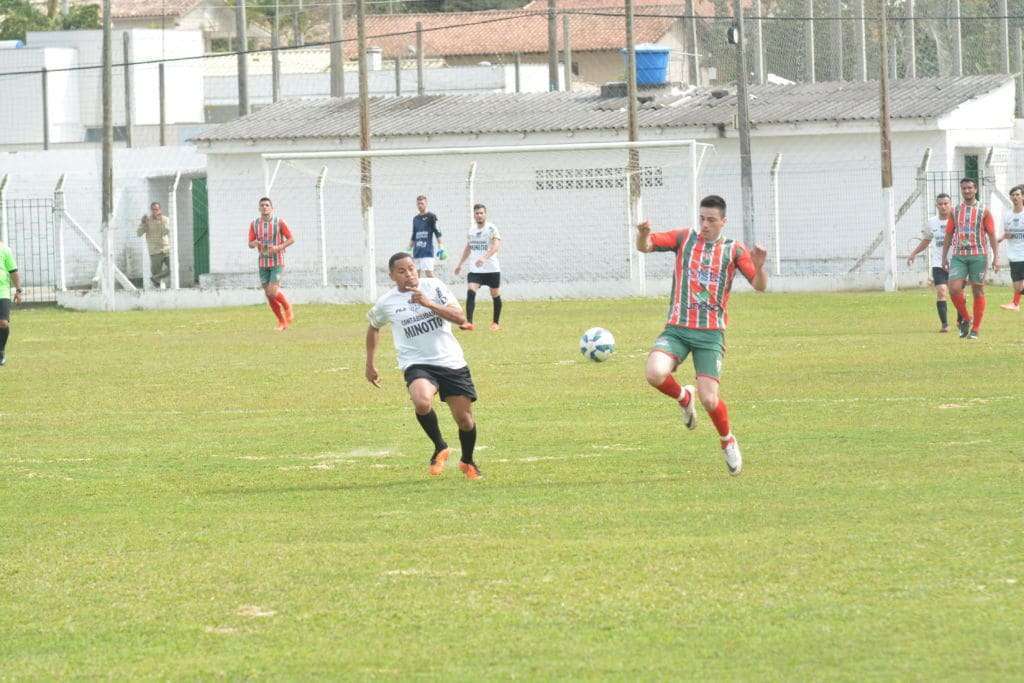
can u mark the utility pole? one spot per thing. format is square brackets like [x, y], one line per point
[567, 52]
[337, 58]
[243, 64]
[759, 71]
[694, 43]
[126, 51]
[46, 109]
[275, 58]
[1004, 35]
[862, 42]
[888, 204]
[637, 265]
[809, 41]
[297, 38]
[552, 48]
[958, 58]
[910, 41]
[162, 96]
[1018, 61]
[365, 168]
[107, 165]
[421, 87]
[743, 116]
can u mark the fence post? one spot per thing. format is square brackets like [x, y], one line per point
[46, 111]
[323, 225]
[922, 189]
[398, 76]
[58, 227]
[958, 59]
[776, 213]
[172, 200]
[809, 42]
[518, 63]
[862, 42]
[162, 96]
[3, 207]
[1018, 67]
[567, 53]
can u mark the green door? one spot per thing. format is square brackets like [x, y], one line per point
[200, 227]
[971, 168]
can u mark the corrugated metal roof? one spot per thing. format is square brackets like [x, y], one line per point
[925, 98]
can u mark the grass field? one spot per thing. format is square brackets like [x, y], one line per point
[190, 494]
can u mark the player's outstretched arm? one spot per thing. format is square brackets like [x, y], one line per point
[643, 238]
[758, 256]
[462, 259]
[922, 245]
[372, 339]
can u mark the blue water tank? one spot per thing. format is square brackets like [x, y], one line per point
[651, 64]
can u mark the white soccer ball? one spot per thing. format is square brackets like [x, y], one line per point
[597, 344]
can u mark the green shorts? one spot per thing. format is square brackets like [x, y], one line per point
[268, 275]
[707, 347]
[968, 268]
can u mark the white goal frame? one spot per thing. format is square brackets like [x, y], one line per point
[695, 152]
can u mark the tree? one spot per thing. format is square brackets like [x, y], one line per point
[17, 17]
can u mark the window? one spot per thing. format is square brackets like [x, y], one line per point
[609, 177]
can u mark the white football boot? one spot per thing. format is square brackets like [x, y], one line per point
[690, 411]
[733, 459]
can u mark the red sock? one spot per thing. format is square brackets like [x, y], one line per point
[720, 416]
[979, 311]
[276, 308]
[1016, 298]
[281, 300]
[670, 387]
[961, 305]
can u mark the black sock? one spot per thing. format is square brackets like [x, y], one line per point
[429, 424]
[468, 442]
[941, 305]
[5, 332]
[470, 304]
[497, 308]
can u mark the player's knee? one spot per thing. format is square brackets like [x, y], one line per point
[4, 324]
[656, 375]
[422, 404]
[708, 397]
[465, 421]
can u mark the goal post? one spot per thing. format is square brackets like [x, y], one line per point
[564, 211]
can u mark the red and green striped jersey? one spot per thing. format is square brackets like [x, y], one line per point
[702, 277]
[968, 226]
[270, 232]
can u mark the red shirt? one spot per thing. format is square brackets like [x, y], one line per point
[269, 232]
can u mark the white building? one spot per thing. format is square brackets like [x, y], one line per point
[21, 107]
[826, 133]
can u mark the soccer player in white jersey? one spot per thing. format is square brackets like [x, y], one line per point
[1013, 235]
[482, 246]
[934, 233]
[421, 311]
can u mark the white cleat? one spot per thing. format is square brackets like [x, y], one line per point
[1010, 307]
[690, 411]
[733, 459]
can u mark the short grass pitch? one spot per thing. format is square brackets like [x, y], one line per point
[190, 494]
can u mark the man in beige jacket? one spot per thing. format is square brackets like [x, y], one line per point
[154, 227]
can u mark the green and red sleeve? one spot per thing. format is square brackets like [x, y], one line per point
[668, 240]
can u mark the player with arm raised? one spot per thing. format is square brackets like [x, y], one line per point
[421, 312]
[270, 236]
[966, 233]
[705, 263]
[934, 234]
[482, 246]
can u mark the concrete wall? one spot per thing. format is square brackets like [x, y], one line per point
[183, 79]
[21, 106]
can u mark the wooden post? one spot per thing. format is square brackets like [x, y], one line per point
[910, 42]
[398, 76]
[421, 87]
[517, 65]
[127, 54]
[162, 96]
[365, 168]
[337, 73]
[888, 205]
[46, 111]
[243, 63]
[567, 53]
[552, 48]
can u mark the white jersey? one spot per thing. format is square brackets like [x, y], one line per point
[421, 336]
[936, 232]
[1013, 228]
[479, 241]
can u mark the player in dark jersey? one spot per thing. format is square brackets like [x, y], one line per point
[424, 229]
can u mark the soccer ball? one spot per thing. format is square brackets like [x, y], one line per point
[441, 254]
[597, 344]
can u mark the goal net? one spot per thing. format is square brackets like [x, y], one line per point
[566, 213]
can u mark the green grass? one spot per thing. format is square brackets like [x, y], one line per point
[189, 494]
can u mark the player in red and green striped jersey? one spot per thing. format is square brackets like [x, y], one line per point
[705, 263]
[270, 236]
[966, 233]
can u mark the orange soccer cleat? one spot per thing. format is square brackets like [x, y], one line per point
[495, 327]
[467, 326]
[437, 462]
[470, 470]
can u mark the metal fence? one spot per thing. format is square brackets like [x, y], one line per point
[31, 236]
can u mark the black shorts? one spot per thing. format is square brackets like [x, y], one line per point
[5, 309]
[940, 276]
[448, 382]
[1017, 270]
[492, 280]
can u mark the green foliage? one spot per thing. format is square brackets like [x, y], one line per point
[17, 17]
[190, 495]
